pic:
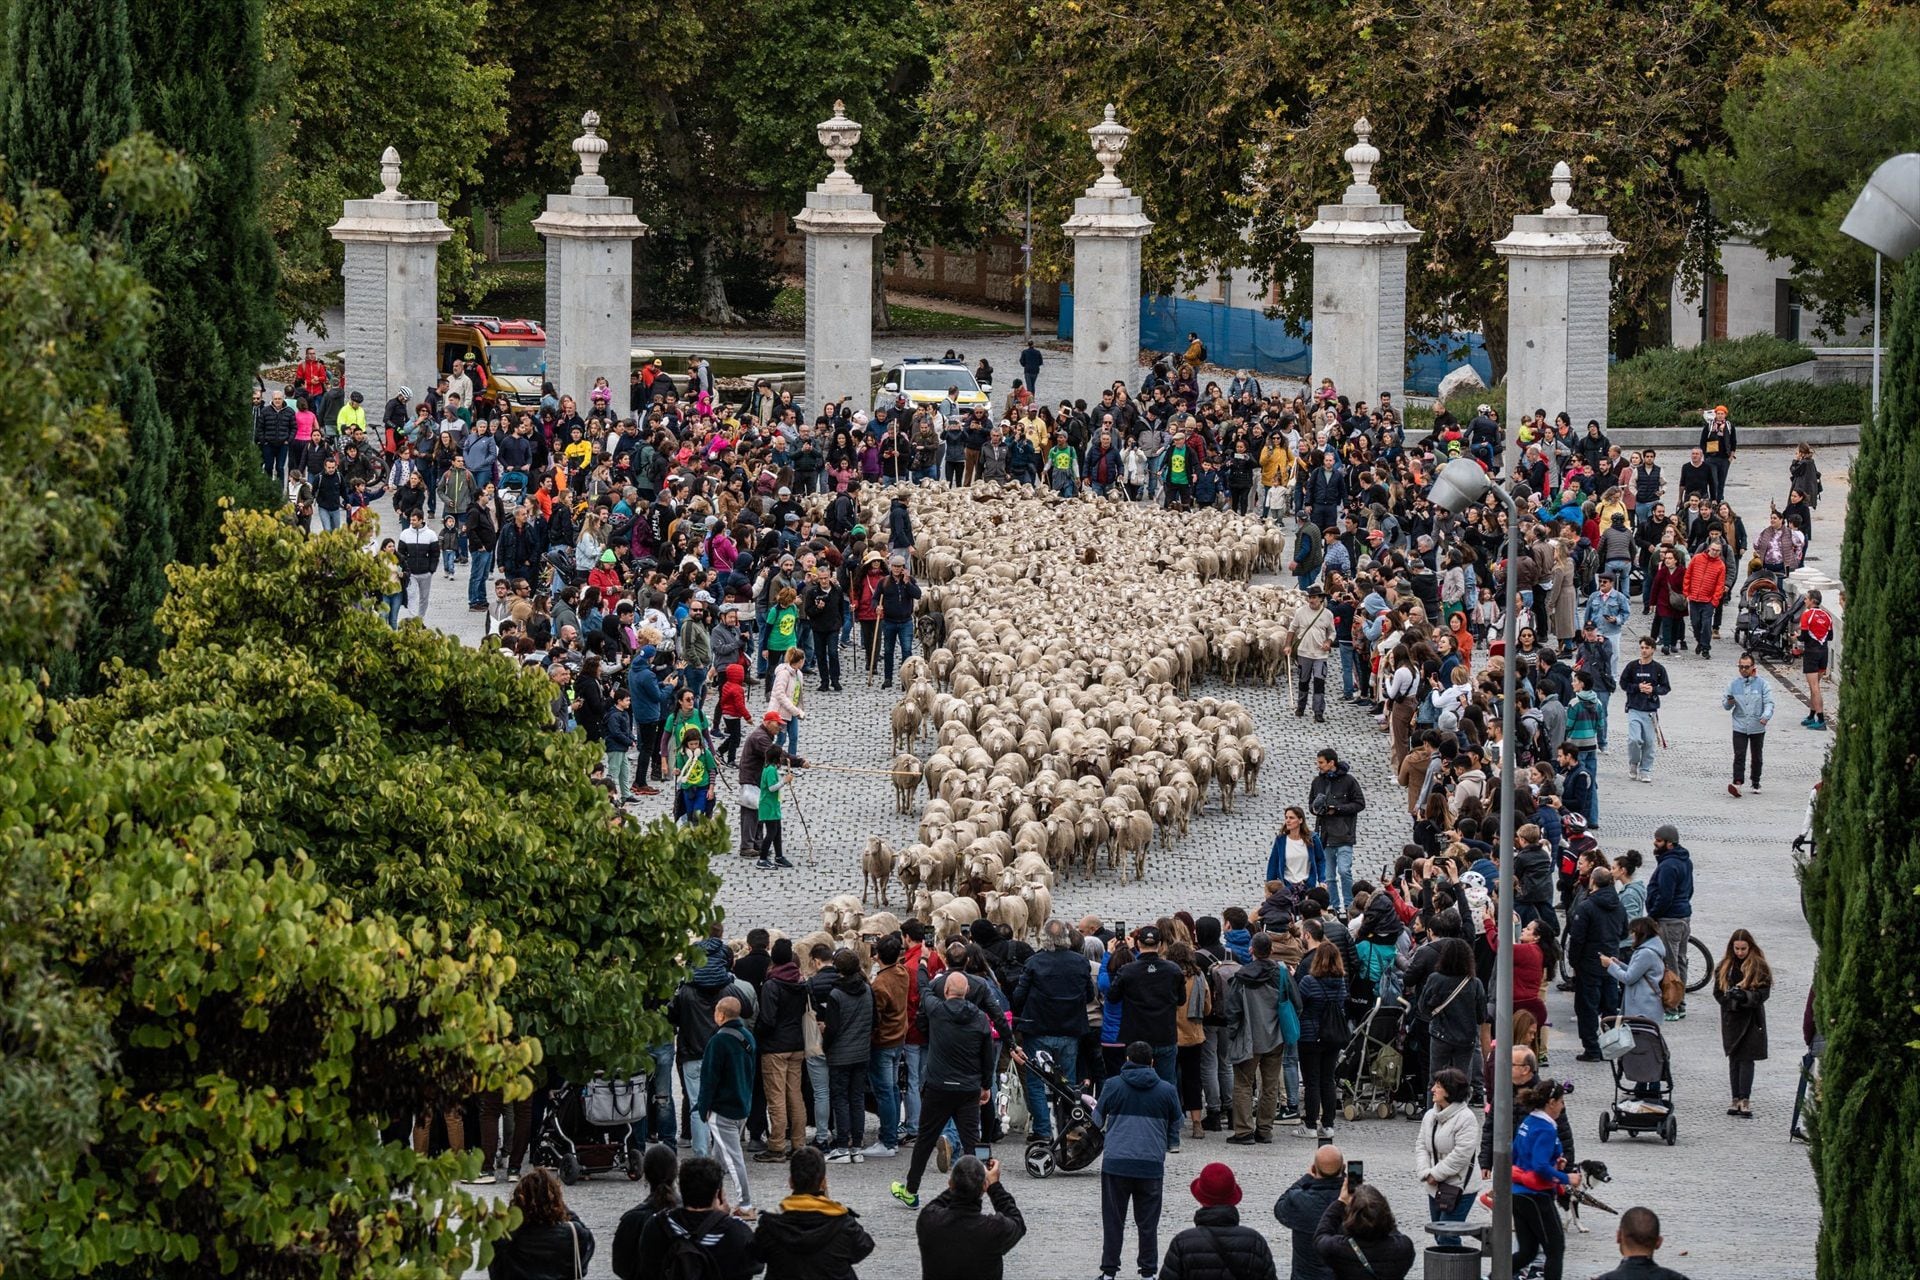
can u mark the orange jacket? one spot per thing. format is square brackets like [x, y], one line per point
[1706, 578]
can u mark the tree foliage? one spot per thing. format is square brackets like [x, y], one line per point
[1866, 917]
[713, 128]
[263, 1035]
[422, 779]
[1805, 128]
[1238, 139]
[348, 78]
[196, 75]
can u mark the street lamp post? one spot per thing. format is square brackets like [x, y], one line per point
[1886, 218]
[1460, 484]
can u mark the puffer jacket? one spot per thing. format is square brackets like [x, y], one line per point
[847, 1031]
[1448, 1142]
[1217, 1247]
[783, 1007]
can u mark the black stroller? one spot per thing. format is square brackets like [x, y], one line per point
[1642, 1086]
[1769, 618]
[1077, 1141]
[588, 1129]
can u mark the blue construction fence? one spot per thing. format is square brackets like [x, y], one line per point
[1246, 338]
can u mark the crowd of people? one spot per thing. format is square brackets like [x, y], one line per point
[667, 566]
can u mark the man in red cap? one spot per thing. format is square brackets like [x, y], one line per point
[1216, 1242]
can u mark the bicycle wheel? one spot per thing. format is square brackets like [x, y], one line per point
[1702, 964]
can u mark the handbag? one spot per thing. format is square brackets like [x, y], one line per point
[1335, 1030]
[1676, 600]
[1616, 1039]
[1673, 990]
[1446, 1196]
[612, 1104]
[573, 1233]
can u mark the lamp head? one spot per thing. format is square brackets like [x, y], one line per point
[1460, 484]
[1886, 215]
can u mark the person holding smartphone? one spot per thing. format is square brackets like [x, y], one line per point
[1357, 1236]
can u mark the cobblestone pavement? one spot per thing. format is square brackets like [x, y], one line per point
[1744, 879]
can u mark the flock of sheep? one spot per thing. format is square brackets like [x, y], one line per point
[1056, 713]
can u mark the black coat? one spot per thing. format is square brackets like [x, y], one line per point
[1743, 1015]
[1598, 926]
[1390, 1258]
[811, 1243]
[1052, 994]
[727, 1239]
[1217, 1247]
[783, 1005]
[1299, 1209]
[541, 1253]
[959, 1242]
[1336, 800]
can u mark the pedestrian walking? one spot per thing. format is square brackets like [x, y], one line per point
[956, 1073]
[1336, 800]
[1816, 637]
[1750, 698]
[1741, 984]
[1645, 681]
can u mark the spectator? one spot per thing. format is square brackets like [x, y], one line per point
[1216, 1246]
[1150, 992]
[704, 1236]
[1597, 928]
[783, 1005]
[1741, 983]
[726, 1089]
[1638, 1236]
[846, 1031]
[1357, 1238]
[956, 1074]
[1670, 902]
[1050, 1000]
[660, 1166]
[1443, 1153]
[551, 1242]
[1140, 1114]
[959, 1238]
[891, 984]
[813, 1237]
[1256, 1040]
[1302, 1205]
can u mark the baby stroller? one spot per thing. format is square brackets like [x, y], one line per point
[1642, 1086]
[1077, 1141]
[1769, 618]
[1372, 1070]
[588, 1129]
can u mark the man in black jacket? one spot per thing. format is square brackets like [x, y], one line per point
[1638, 1236]
[1335, 800]
[273, 432]
[897, 598]
[1050, 999]
[1151, 990]
[1533, 869]
[782, 1041]
[1301, 1206]
[704, 1224]
[813, 1237]
[954, 1076]
[959, 1239]
[1598, 925]
[824, 605]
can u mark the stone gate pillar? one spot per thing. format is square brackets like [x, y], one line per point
[839, 224]
[1559, 293]
[392, 276]
[589, 236]
[1107, 227]
[1359, 334]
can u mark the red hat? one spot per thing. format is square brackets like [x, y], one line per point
[773, 717]
[1215, 1186]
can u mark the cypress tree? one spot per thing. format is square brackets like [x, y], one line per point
[68, 98]
[1862, 884]
[196, 81]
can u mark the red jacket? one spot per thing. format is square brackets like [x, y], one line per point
[311, 374]
[733, 691]
[1706, 578]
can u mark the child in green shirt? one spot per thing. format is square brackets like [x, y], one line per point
[772, 852]
[695, 778]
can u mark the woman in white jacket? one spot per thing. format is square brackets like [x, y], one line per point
[785, 699]
[1446, 1150]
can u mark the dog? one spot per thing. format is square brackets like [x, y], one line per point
[1591, 1171]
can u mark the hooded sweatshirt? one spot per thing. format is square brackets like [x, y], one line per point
[811, 1238]
[1670, 888]
[1141, 1116]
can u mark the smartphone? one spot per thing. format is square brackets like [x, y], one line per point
[983, 1154]
[1356, 1173]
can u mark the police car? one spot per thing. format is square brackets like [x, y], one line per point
[924, 383]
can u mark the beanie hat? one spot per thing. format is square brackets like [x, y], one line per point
[1668, 833]
[1215, 1186]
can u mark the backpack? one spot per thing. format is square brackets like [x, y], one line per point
[688, 1259]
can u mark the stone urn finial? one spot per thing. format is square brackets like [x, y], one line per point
[590, 146]
[1562, 191]
[1109, 144]
[390, 176]
[839, 136]
[1362, 155]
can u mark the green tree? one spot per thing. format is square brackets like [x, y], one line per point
[422, 778]
[1866, 917]
[196, 79]
[346, 80]
[1805, 128]
[1238, 140]
[263, 1034]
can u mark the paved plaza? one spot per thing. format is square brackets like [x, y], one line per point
[1737, 1198]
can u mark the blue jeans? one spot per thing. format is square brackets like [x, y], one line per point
[1340, 873]
[660, 1112]
[1065, 1051]
[1346, 669]
[883, 1077]
[1640, 741]
[1590, 761]
[1606, 707]
[1622, 571]
[690, 1076]
[1458, 1213]
[330, 520]
[818, 1081]
[446, 563]
[479, 569]
[1290, 1071]
[916, 1056]
[889, 633]
[789, 737]
[394, 603]
[1166, 1063]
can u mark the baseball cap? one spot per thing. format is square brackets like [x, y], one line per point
[703, 597]
[773, 717]
[1147, 936]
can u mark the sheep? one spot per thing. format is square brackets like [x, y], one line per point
[906, 781]
[953, 918]
[876, 866]
[841, 915]
[906, 724]
[1009, 910]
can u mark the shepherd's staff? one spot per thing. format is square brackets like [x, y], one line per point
[799, 813]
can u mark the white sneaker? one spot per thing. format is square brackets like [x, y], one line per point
[880, 1151]
[840, 1155]
[482, 1180]
[1646, 777]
